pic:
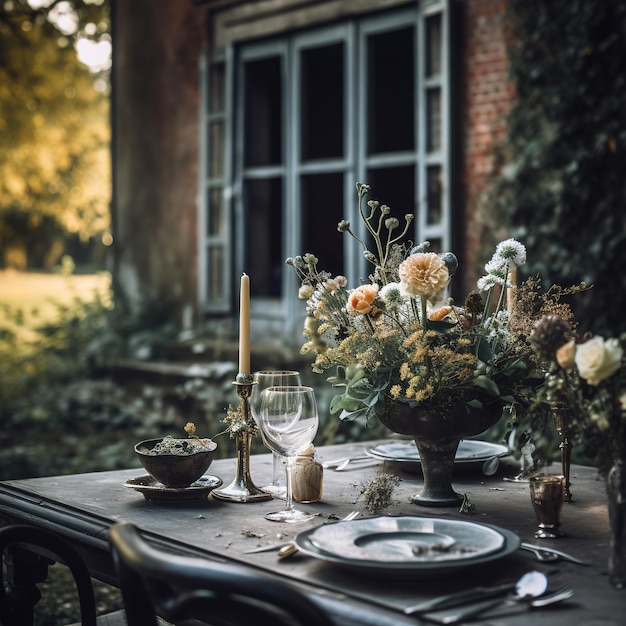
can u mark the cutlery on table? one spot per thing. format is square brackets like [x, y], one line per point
[512, 603]
[544, 553]
[340, 464]
[292, 548]
[529, 591]
[459, 598]
[289, 544]
[531, 582]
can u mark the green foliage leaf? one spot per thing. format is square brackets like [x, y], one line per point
[563, 160]
[54, 121]
[486, 383]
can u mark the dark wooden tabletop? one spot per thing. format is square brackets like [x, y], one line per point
[82, 507]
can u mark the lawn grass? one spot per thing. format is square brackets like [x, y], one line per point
[28, 300]
[36, 297]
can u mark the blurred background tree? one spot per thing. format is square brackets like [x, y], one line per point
[563, 189]
[55, 174]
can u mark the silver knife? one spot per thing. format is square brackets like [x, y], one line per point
[563, 555]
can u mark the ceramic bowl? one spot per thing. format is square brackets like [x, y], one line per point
[182, 463]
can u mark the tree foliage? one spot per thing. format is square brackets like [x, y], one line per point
[563, 187]
[55, 164]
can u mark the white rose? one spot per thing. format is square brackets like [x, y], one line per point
[598, 359]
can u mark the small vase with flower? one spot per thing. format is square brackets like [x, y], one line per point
[588, 375]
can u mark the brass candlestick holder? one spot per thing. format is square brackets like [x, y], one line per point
[242, 487]
[560, 410]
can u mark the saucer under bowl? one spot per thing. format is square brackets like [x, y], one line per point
[176, 463]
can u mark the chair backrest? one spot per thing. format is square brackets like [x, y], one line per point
[24, 536]
[181, 588]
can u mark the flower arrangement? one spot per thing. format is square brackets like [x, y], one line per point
[398, 337]
[588, 375]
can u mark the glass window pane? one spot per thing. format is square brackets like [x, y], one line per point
[263, 112]
[395, 187]
[433, 46]
[433, 120]
[216, 150]
[390, 91]
[433, 194]
[321, 102]
[264, 259]
[322, 210]
[216, 223]
[435, 245]
[215, 283]
[216, 88]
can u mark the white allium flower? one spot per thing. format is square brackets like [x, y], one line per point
[391, 294]
[512, 251]
[496, 266]
[485, 283]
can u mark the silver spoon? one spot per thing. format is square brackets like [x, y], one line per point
[528, 587]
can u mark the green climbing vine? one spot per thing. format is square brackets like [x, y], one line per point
[562, 185]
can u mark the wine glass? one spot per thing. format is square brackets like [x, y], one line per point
[263, 380]
[289, 421]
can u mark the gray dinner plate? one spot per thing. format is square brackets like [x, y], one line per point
[471, 453]
[390, 544]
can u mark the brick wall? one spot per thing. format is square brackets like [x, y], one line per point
[486, 95]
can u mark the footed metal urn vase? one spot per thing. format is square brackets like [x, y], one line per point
[437, 436]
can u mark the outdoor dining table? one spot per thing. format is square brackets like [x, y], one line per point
[82, 507]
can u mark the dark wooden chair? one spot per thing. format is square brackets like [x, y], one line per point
[44, 547]
[181, 588]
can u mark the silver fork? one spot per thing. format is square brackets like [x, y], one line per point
[550, 554]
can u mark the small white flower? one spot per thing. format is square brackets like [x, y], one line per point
[485, 283]
[334, 284]
[499, 328]
[391, 294]
[512, 251]
[496, 266]
[305, 292]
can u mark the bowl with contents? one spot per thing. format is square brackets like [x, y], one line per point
[177, 463]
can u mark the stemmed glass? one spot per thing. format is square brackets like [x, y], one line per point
[289, 421]
[263, 380]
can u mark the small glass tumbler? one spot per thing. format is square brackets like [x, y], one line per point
[547, 495]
